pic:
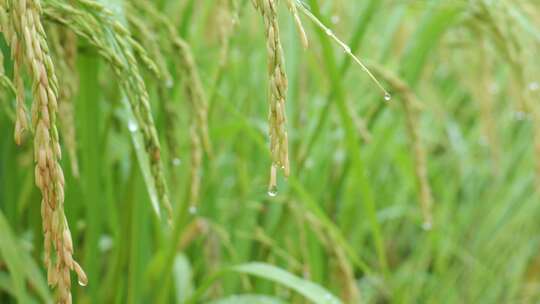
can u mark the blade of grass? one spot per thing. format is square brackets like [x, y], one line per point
[248, 299]
[309, 290]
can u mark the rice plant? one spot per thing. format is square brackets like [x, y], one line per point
[266, 151]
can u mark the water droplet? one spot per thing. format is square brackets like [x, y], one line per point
[169, 83]
[329, 32]
[534, 86]
[347, 49]
[105, 243]
[273, 191]
[132, 126]
[193, 210]
[176, 162]
[82, 283]
[335, 19]
[427, 226]
[387, 96]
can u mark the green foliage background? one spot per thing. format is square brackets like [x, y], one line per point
[348, 220]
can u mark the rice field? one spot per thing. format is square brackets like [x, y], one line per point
[266, 151]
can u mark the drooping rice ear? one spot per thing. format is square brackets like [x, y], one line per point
[277, 91]
[29, 43]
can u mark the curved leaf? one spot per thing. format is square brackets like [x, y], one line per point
[310, 290]
[249, 299]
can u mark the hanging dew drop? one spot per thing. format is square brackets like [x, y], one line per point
[347, 49]
[387, 96]
[273, 191]
[329, 32]
[192, 210]
[272, 186]
[132, 126]
[82, 283]
[176, 162]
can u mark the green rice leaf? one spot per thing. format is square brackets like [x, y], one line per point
[248, 299]
[310, 290]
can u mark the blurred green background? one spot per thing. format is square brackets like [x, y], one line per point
[348, 223]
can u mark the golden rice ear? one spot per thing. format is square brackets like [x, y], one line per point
[29, 45]
[277, 91]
